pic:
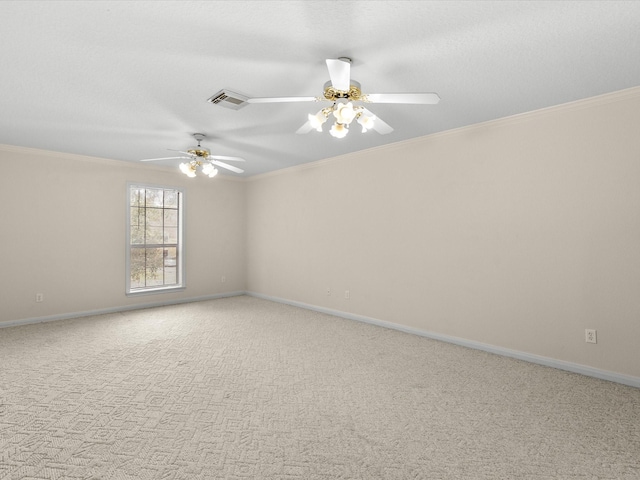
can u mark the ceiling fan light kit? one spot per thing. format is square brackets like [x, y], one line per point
[190, 168]
[343, 110]
[344, 114]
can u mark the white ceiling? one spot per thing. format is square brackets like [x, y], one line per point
[130, 80]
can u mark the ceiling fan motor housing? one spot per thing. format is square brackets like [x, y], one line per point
[353, 94]
[199, 152]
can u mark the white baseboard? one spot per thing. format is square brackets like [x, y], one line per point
[528, 357]
[90, 313]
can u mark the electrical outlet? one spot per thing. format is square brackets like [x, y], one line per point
[590, 336]
[347, 294]
[223, 279]
[39, 297]
[328, 292]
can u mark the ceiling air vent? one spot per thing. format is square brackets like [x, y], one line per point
[228, 99]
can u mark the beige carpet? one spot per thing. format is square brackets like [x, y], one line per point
[243, 388]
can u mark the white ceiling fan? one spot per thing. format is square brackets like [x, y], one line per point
[347, 99]
[199, 156]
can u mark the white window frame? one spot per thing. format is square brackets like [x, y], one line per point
[180, 256]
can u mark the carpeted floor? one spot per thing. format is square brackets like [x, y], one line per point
[241, 388]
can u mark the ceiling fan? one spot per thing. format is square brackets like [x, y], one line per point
[199, 156]
[347, 97]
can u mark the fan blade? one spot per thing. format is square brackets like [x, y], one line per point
[227, 166]
[281, 99]
[164, 158]
[379, 126]
[422, 98]
[223, 157]
[306, 128]
[179, 151]
[340, 74]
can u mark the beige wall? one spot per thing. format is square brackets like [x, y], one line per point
[518, 233]
[63, 233]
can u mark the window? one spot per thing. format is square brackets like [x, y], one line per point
[154, 239]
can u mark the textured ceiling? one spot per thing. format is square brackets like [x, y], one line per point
[130, 80]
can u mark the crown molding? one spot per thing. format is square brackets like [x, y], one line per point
[20, 150]
[604, 99]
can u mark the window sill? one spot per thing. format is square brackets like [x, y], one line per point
[155, 291]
